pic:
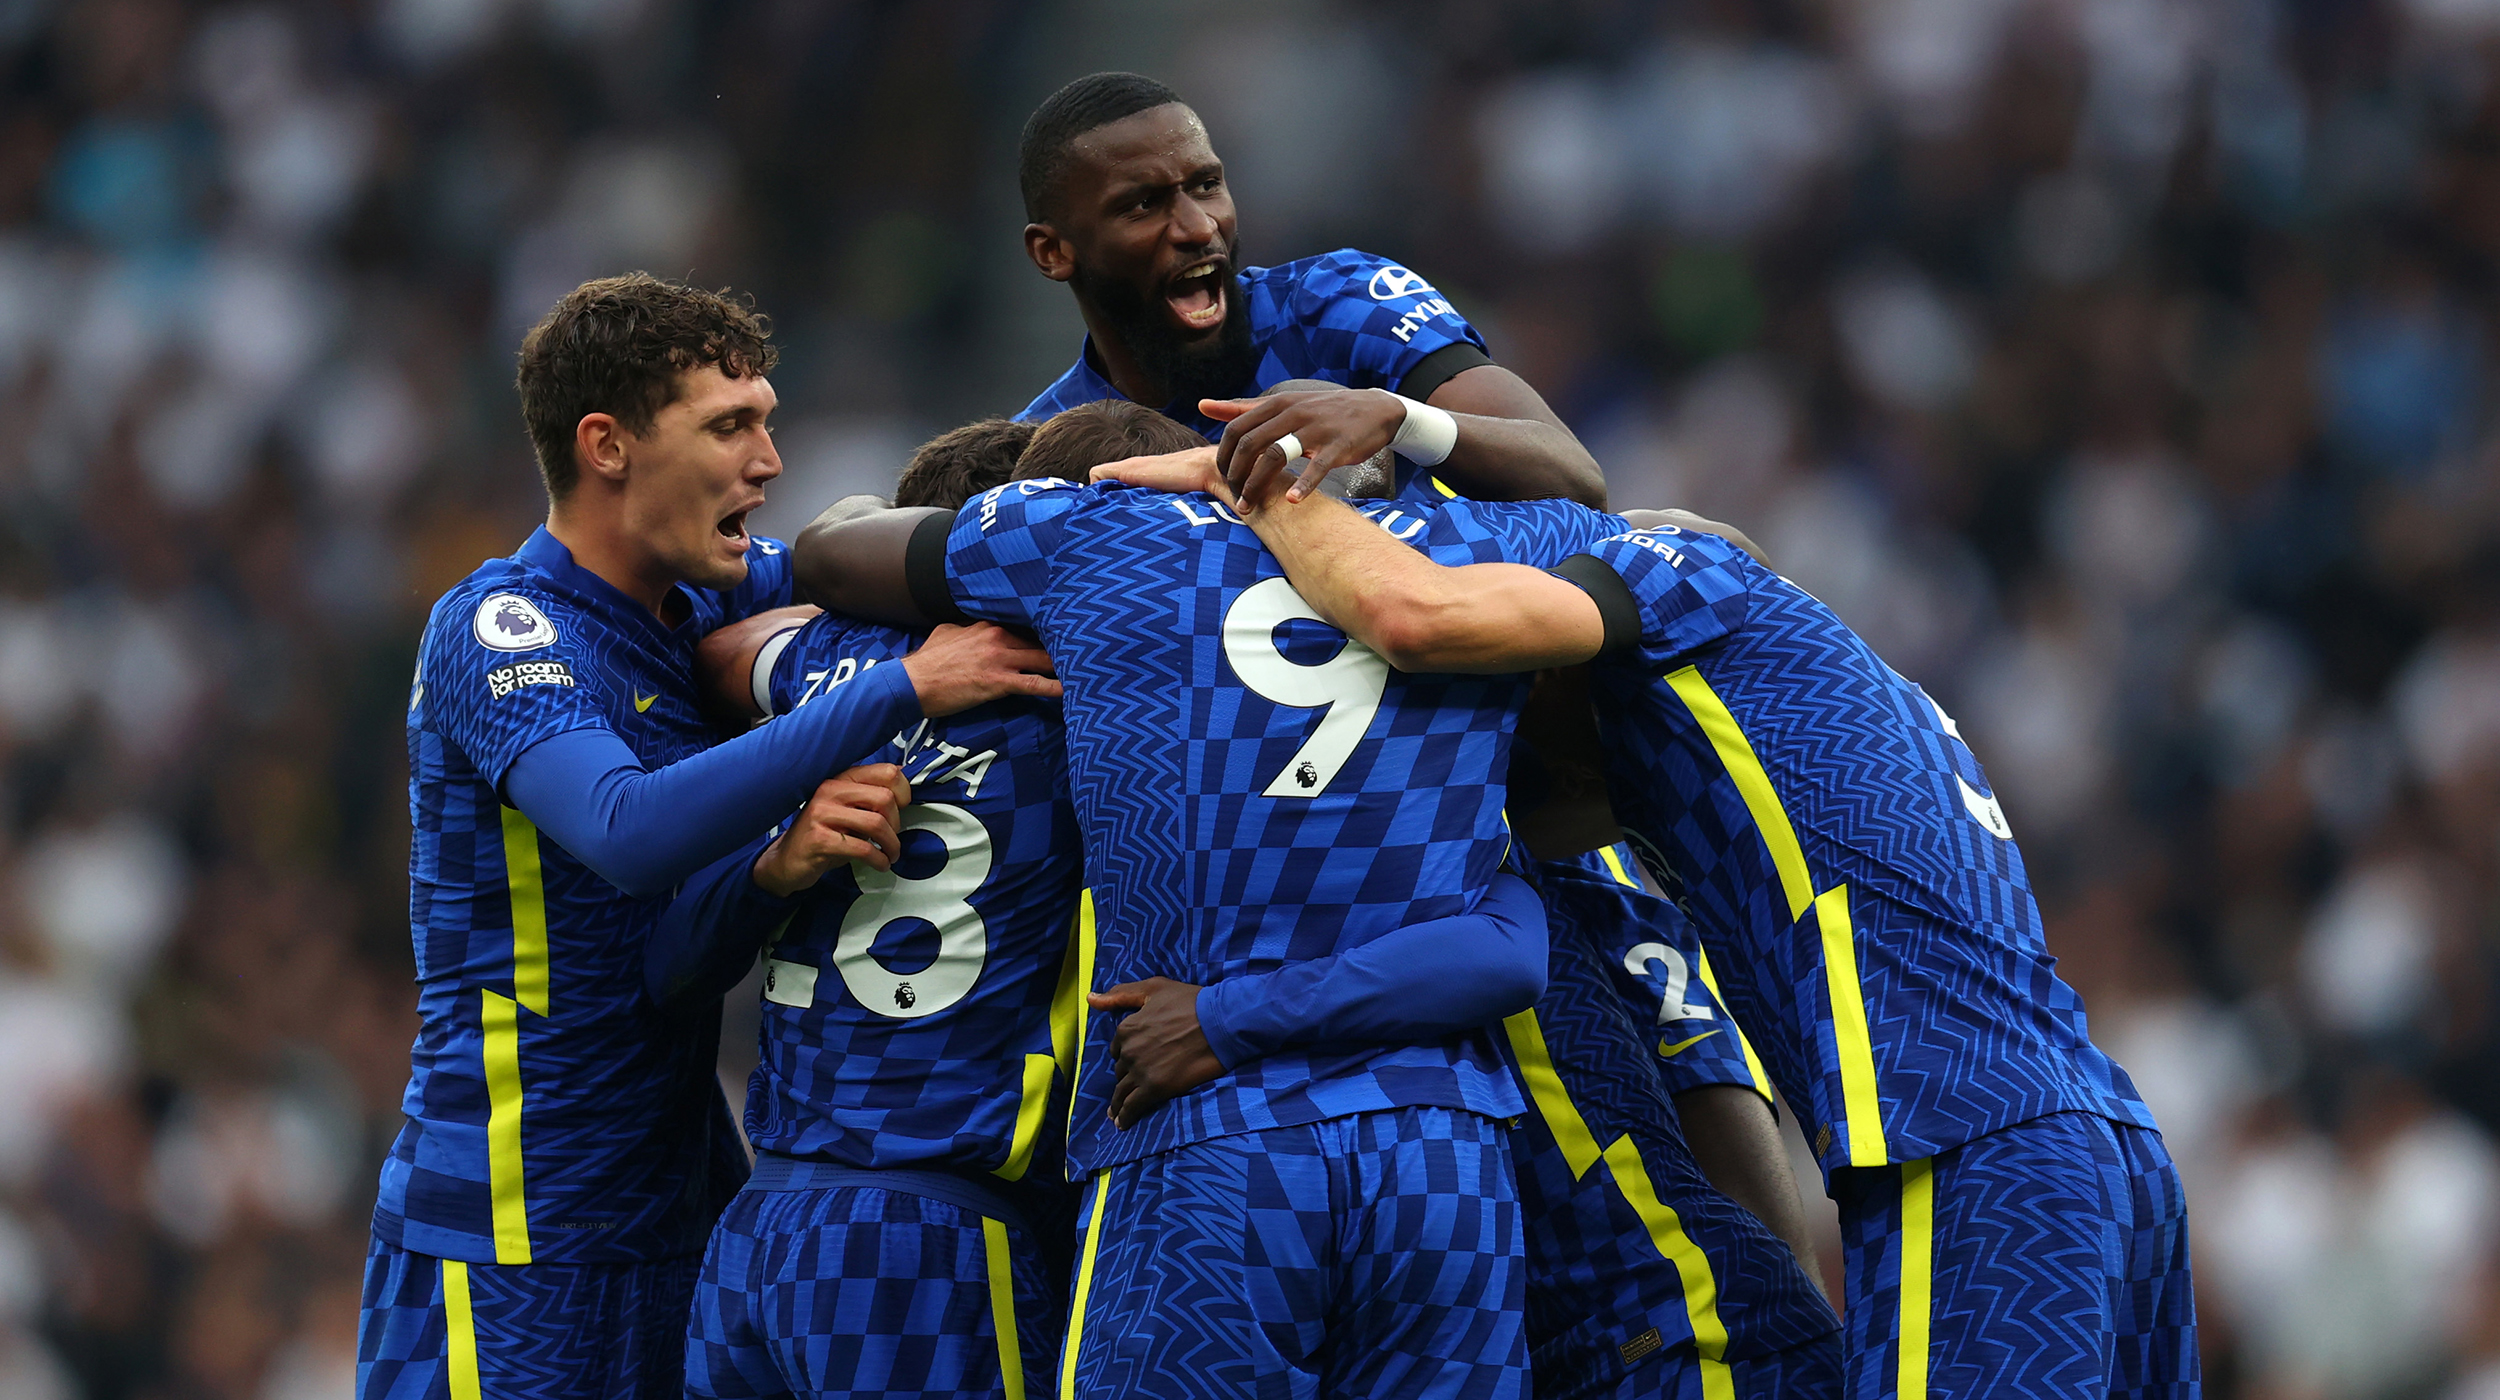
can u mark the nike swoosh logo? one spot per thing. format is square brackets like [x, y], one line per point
[1670, 1051]
[642, 703]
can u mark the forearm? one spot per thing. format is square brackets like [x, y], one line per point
[1421, 616]
[712, 932]
[1521, 459]
[643, 830]
[854, 559]
[1424, 982]
[1736, 1142]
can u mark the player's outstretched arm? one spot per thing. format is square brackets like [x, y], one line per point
[856, 558]
[1736, 1142]
[643, 829]
[1424, 982]
[1420, 615]
[721, 917]
[1485, 431]
[730, 668]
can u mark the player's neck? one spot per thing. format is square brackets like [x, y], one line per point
[602, 546]
[1117, 364]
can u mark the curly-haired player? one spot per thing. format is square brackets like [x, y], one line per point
[541, 1216]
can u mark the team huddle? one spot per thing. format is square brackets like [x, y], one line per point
[1264, 886]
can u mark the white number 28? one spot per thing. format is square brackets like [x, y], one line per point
[1347, 685]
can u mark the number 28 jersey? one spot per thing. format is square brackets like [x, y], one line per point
[907, 1013]
[1254, 788]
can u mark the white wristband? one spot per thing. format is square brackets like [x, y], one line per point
[760, 680]
[1427, 435]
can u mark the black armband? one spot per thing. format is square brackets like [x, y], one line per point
[924, 570]
[1439, 368]
[1616, 607]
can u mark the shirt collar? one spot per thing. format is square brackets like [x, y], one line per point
[550, 556]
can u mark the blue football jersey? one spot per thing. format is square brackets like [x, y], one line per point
[554, 1115]
[907, 1013]
[1346, 317]
[1630, 1249]
[1254, 788]
[1847, 864]
[1655, 962]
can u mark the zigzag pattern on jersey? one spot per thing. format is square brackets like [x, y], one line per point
[869, 1293]
[1194, 878]
[2056, 1263]
[594, 1331]
[1598, 1280]
[967, 1083]
[1371, 1255]
[625, 1147]
[1315, 318]
[1967, 1027]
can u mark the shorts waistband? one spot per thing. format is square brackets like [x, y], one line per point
[776, 1172]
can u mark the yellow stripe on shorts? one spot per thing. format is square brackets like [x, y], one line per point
[1003, 1308]
[459, 1331]
[1084, 1287]
[1918, 1264]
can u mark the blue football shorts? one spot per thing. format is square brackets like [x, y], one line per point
[1378, 1254]
[869, 1291]
[2045, 1259]
[441, 1329]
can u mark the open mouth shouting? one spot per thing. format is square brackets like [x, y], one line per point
[733, 527]
[1198, 295]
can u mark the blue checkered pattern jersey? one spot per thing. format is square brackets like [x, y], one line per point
[554, 1115]
[1254, 789]
[1638, 1268]
[1839, 848]
[907, 1014]
[1346, 317]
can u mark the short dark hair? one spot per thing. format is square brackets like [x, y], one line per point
[1095, 100]
[961, 463]
[616, 345]
[1080, 439]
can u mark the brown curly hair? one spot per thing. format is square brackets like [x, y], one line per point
[616, 345]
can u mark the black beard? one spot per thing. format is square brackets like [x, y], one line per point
[1220, 366]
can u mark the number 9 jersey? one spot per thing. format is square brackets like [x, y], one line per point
[1255, 788]
[907, 1013]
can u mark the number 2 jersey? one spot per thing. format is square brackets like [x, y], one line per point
[908, 1013]
[1840, 850]
[1254, 788]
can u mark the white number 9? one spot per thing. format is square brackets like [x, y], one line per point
[1348, 684]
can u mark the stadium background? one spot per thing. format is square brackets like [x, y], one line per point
[2119, 367]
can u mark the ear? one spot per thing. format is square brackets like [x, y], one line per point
[599, 447]
[1049, 252]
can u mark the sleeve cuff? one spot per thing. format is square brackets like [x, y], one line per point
[1215, 1023]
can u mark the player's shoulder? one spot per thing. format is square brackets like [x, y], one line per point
[1078, 386]
[502, 606]
[1670, 546]
[1346, 272]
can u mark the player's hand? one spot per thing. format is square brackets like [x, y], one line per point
[854, 815]
[1159, 1049]
[960, 667]
[1336, 427]
[1177, 472]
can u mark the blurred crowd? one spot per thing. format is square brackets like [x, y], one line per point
[2118, 367]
